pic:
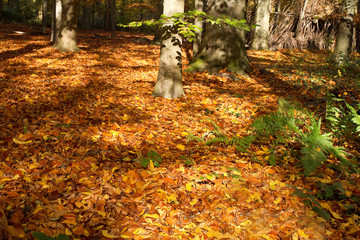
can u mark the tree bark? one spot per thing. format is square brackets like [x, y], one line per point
[56, 20]
[169, 81]
[113, 18]
[66, 40]
[1, 7]
[223, 46]
[44, 9]
[86, 18]
[345, 31]
[358, 29]
[261, 39]
[199, 6]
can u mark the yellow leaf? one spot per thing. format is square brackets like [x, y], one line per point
[151, 215]
[38, 209]
[188, 186]
[140, 231]
[181, 147]
[68, 232]
[27, 179]
[302, 233]
[151, 166]
[277, 200]
[125, 117]
[335, 215]
[106, 234]
[212, 234]
[184, 134]
[171, 198]
[126, 159]
[246, 223]
[17, 141]
[193, 201]
[70, 222]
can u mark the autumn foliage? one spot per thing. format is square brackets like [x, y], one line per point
[74, 128]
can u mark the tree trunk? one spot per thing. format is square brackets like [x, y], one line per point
[158, 32]
[107, 14]
[261, 39]
[113, 18]
[345, 31]
[1, 7]
[358, 29]
[223, 46]
[66, 40]
[86, 18]
[56, 20]
[199, 6]
[44, 9]
[169, 81]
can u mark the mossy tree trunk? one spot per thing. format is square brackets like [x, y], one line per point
[261, 40]
[66, 40]
[223, 46]
[169, 81]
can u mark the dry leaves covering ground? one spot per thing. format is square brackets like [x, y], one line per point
[71, 125]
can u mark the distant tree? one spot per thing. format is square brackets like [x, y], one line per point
[66, 39]
[345, 31]
[86, 20]
[1, 8]
[45, 4]
[199, 6]
[261, 38]
[223, 46]
[56, 20]
[169, 81]
[113, 17]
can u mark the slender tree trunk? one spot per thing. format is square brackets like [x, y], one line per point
[345, 31]
[199, 6]
[169, 81]
[44, 9]
[86, 18]
[66, 40]
[107, 14]
[158, 32]
[1, 7]
[223, 46]
[113, 17]
[261, 39]
[56, 20]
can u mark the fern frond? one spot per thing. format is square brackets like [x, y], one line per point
[191, 137]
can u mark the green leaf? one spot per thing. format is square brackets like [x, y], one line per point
[43, 236]
[145, 162]
[322, 213]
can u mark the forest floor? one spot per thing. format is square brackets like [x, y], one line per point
[73, 124]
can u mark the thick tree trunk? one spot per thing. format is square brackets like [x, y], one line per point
[345, 31]
[44, 9]
[66, 40]
[56, 20]
[223, 46]
[261, 39]
[107, 15]
[358, 30]
[169, 82]
[199, 6]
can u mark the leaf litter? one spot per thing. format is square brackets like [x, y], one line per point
[73, 125]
